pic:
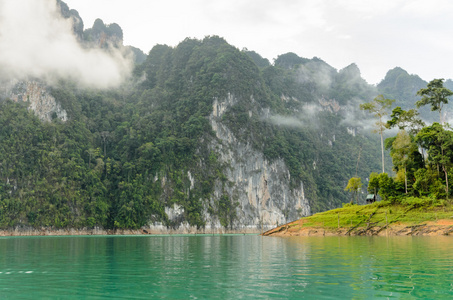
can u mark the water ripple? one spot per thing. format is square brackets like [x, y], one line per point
[225, 267]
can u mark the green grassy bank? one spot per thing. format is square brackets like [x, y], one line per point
[373, 218]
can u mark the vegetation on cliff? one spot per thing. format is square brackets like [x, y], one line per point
[126, 154]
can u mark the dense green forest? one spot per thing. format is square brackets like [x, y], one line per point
[126, 154]
[105, 166]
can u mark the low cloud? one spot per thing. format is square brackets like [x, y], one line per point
[307, 117]
[287, 121]
[37, 42]
[309, 114]
[354, 117]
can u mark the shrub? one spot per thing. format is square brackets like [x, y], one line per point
[414, 202]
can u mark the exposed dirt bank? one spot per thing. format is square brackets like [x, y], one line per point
[432, 228]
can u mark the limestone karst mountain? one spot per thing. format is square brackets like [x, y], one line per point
[201, 136]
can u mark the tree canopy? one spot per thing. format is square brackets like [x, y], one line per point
[436, 95]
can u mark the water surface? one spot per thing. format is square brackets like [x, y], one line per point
[225, 267]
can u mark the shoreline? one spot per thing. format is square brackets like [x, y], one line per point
[103, 232]
[65, 232]
[443, 227]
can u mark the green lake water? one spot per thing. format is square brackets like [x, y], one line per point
[226, 267]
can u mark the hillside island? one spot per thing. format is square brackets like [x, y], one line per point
[414, 218]
[206, 138]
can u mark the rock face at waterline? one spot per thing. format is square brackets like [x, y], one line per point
[261, 189]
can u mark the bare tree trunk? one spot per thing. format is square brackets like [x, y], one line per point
[446, 180]
[405, 179]
[382, 150]
[444, 168]
[105, 135]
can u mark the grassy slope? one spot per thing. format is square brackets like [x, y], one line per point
[373, 218]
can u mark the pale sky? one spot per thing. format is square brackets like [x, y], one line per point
[416, 35]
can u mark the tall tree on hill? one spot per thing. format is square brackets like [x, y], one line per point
[378, 107]
[436, 95]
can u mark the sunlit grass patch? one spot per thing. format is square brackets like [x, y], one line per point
[410, 211]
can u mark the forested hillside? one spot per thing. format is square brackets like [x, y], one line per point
[203, 134]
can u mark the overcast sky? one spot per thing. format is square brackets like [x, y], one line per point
[416, 35]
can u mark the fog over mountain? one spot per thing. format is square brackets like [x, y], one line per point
[36, 41]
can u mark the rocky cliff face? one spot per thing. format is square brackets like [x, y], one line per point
[38, 98]
[261, 188]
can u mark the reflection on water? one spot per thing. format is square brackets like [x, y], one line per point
[226, 267]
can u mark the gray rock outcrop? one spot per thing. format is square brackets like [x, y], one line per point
[37, 97]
